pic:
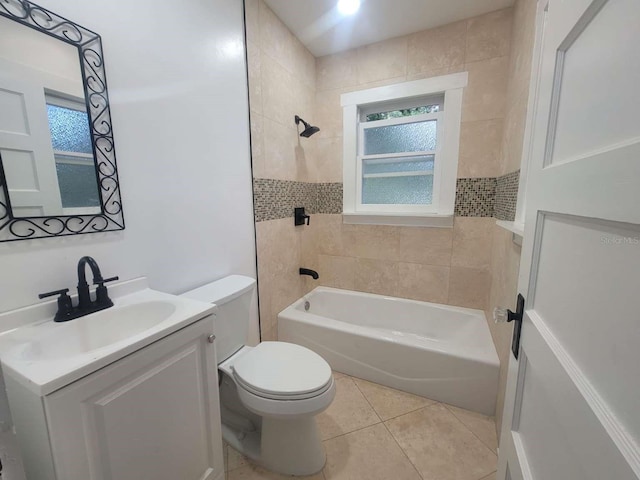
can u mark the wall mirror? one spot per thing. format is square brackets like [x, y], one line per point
[57, 156]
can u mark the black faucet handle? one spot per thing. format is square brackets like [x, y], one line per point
[300, 216]
[62, 292]
[102, 296]
[64, 304]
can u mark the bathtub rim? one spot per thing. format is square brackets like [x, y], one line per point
[489, 355]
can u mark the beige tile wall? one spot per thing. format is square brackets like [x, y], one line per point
[474, 264]
[505, 254]
[281, 84]
[440, 265]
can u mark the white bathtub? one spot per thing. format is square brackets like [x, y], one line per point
[441, 352]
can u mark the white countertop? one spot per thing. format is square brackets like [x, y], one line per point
[19, 347]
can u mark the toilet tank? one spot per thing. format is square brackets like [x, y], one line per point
[233, 296]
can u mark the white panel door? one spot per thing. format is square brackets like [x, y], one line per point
[152, 415]
[26, 150]
[572, 410]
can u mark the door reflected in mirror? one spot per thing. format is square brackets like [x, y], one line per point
[46, 147]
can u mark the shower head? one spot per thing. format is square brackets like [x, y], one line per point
[308, 129]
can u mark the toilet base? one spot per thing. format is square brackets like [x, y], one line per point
[292, 447]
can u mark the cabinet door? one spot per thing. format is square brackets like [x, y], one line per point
[152, 415]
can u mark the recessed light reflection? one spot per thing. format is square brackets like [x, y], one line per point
[348, 7]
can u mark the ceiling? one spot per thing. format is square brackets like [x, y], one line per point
[323, 30]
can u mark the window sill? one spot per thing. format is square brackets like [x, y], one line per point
[399, 219]
[517, 229]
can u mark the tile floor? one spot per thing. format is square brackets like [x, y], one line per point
[372, 432]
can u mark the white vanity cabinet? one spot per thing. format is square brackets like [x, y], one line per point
[152, 415]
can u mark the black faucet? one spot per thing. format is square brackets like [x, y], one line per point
[312, 273]
[66, 310]
[84, 300]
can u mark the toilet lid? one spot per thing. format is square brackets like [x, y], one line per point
[282, 369]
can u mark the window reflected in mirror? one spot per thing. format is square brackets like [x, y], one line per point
[73, 153]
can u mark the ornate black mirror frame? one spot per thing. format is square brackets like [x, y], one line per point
[89, 45]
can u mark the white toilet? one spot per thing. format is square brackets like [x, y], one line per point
[269, 394]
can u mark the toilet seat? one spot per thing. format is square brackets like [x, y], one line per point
[282, 371]
[272, 396]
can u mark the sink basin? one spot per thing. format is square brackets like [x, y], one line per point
[98, 330]
[44, 355]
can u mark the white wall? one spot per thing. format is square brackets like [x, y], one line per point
[178, 91]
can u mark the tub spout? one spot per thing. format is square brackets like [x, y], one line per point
[311, 273]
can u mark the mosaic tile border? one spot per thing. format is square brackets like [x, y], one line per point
[507, 196]
[273, 199]
[475, 197]
[329, 198]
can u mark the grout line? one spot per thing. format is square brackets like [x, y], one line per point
[403, 452]
[367, 400]
[465, 426]
[374, 411]
[434, 402]
[487, 476]
[389, 431]
[353, 431]
[415, 410]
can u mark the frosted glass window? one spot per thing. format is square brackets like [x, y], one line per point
[389, 165]
[78, 184]
[407, 190]
[405, 112]
[406, 137]
[69, 129]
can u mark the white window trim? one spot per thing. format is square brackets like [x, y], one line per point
[441, 214]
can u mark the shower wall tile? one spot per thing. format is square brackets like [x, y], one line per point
[328, 158]
[475, 197]
[480, 148]
[376, 276]
[337, 272]
[382, 60]
[271, 199]
[282, 77]
[275, 38]
[277, 85]
[278, 277]
[254, 60]
[252, 18]
[437, 48]
[472, 242]
[427, 246]
[329, 198]
[274, 199]
[257, 145]
[380, 242]
[488, 36]
[337, 71]
[329, 114]
[428, 283]
[507, 196]
[469, 287]
[484, 96]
